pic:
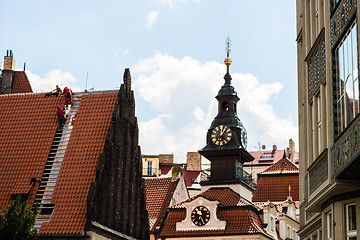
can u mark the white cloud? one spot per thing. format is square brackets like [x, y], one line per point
[171, 3]
[126, 52]
[184, 91]
[50, 80]
[151, 19]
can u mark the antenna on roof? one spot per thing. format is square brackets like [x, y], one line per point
[284, 134]
[87, 74]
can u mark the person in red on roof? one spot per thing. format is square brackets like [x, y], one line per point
[68, 94]
[61, 118]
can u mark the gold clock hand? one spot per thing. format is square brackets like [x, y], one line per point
[221, 133]
[202, 219]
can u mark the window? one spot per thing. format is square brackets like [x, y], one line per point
[347, 77]
[351, 221]
[267, 157]
[225, 106]
[329, 225]
[149, 170]
[319, 122]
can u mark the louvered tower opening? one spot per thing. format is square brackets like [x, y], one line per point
[53, 165]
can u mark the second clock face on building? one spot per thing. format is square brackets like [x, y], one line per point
[221, 135]
[200, 216]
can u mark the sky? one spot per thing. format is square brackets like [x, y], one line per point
[175, 51]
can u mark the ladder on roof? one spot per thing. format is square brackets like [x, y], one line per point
[53, 164]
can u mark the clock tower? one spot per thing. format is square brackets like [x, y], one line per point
[226, 138]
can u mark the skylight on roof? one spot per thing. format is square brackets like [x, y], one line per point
[267, 157]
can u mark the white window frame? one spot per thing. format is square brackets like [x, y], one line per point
[329, 224]
[353, 232]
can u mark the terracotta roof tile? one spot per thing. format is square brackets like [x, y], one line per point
[240, 221]
[276, 188]
[26, 131]
[28, 126]
[21, 83]
[225, 196]
[158, 196]
[283, 166]
[277, 155]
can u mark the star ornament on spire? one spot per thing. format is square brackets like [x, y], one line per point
[228, 45]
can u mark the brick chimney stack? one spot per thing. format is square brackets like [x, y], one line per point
[9, 61]
[291, 149]
[8, 72]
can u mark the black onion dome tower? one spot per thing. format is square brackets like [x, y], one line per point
[226, 138]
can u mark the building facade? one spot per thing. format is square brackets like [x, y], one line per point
[329, 123]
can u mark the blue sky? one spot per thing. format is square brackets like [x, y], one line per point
[175, 51]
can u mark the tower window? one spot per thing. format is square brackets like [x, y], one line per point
[225, 106]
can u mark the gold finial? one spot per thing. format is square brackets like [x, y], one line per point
[228, 60]
[289, 190]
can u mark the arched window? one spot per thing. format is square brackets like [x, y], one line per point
[225, 106]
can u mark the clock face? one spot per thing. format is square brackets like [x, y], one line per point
[200, 216]
[221, 135]
[243, 137]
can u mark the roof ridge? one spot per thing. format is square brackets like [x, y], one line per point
[273, 169]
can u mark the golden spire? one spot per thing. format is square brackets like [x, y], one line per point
[227, 60]
[289, 190]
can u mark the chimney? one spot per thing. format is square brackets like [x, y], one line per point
[193, 161]
[9, 61]
[8, 72]
[273, 150]
[291, 149]
[166, 159]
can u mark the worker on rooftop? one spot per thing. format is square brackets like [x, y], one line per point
[68, 94]
[56, 91]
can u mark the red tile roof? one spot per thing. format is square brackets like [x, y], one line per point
[284, 166]
[28, 125]
[240, 221]
[158, 196]
[79, 165]
[21, 83]
[226, 197]
[277, 155]
[276, 188]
